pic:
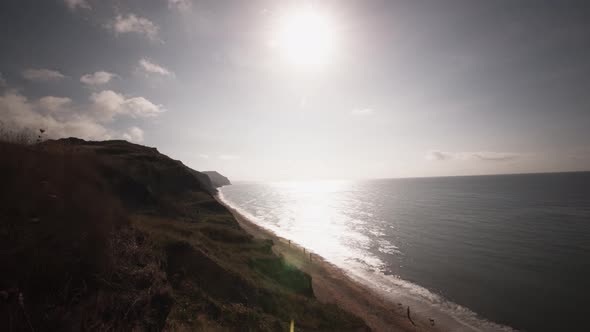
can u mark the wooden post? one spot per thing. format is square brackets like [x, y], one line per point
[310, 256]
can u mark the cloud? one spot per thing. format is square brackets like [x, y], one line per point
[483, 156]
[133, 134]
[18, 113]
[141, 107]
[154, 68]
[182, 5]
[495, 156]
[74, 4]
[204, 156]
[65, 119]
[42, 75]
[99, 77]
[107, 104]
[54, 104]
[439, 155]
[362, 111]
[135, 24]
[228, 157]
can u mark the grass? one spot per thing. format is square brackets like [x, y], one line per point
[115, 236]
[65, 246]
[230, 279]
[21, 136]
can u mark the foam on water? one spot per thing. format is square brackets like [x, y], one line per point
[512, 248]
[369, 270]
[451, 316]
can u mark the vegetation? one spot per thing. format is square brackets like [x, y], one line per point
[116, 236]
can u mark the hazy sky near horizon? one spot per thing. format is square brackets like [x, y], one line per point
[407, 88]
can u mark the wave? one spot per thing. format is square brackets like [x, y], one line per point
[448, 314]
[366, 271]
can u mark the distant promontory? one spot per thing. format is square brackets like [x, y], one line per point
[217, 180]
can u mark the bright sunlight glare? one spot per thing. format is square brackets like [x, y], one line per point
[305, 38]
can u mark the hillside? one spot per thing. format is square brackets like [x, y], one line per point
[217, 179]
[116, 236]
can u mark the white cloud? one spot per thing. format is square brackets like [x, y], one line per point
[439, 155]
[54, 104]
[99, 77]
[68, 120]
[482, 156]
[42, 75]
[228, 157]
[362, 111]
[74, 4]
[135, 24]
[141, 107]
[204, 156]
[494, 156]
[154, 68]
[182, 5]
[18, 113]
[133, 134]
[107, 104]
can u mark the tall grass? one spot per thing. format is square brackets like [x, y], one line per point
[23, 136]
[65, 245]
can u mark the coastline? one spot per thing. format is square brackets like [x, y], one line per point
[332, 285]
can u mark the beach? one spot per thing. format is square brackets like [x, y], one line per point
[332, 285]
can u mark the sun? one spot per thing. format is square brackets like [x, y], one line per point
[305, 38]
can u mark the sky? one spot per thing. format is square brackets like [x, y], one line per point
[353, 90]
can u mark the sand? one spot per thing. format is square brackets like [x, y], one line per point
[332, 285]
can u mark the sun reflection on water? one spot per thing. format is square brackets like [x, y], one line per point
[314, 214]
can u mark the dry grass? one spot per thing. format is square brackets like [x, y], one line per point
[65, 245]
[21, 136]
[115, 236]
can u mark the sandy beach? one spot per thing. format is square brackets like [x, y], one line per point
[332, 285]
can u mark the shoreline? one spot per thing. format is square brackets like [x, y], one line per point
[332, 285]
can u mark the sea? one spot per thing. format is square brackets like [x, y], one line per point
[475, 253]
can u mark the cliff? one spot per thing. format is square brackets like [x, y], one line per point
[116, 236]
[217, 179]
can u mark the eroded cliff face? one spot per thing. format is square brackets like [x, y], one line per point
[217, 179]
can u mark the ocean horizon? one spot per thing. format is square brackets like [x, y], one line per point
[490, 252]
